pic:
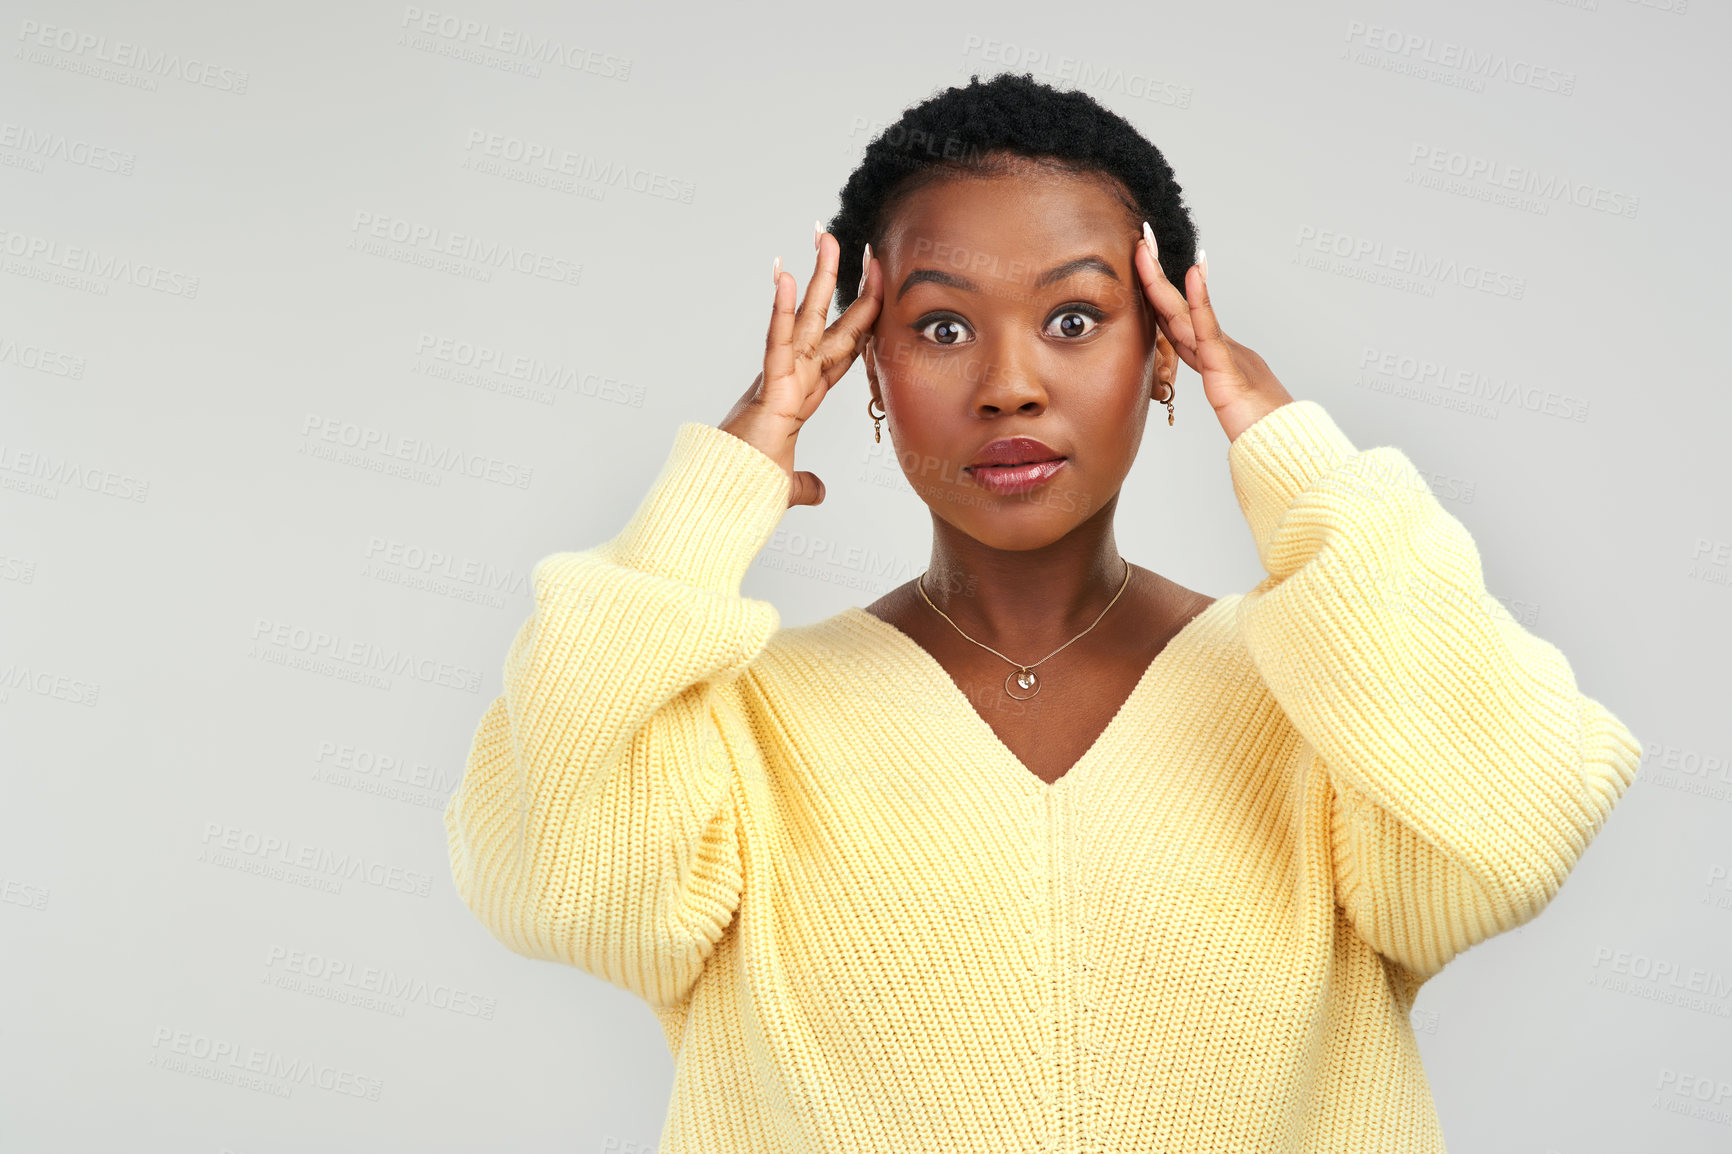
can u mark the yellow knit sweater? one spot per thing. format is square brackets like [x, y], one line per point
[865, 926]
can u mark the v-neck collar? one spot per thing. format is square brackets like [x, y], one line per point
[956, 701]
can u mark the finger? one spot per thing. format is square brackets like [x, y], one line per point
[805, 489]
[815, 308]
[1213, 352]
[1204, 323]
[1171, 310]
[1161, 323]
[845, 339]
[779, 339]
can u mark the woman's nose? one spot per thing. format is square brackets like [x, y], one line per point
[1007, 381]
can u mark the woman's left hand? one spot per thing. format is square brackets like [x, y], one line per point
[1239, 385]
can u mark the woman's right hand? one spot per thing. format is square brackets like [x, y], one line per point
[802, 359]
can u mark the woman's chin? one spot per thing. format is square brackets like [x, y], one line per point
[1012, 528]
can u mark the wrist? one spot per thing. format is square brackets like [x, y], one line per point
[770, 443]
[1239, 417]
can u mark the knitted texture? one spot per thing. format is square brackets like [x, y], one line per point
[865, 926]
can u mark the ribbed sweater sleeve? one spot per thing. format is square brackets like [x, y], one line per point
[595, 824]
[1467, 772]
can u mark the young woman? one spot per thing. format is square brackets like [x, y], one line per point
[1042, 850]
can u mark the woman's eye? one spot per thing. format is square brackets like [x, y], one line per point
[949, 330]
[1072, 323]
[1075, 322]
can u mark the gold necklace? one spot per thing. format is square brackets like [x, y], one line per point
[1024, 675]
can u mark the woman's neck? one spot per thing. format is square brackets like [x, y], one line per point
[1032, 600]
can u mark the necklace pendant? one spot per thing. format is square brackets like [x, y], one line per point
[1024, 680]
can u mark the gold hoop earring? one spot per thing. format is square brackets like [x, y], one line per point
[1172, 389]
[876, 417]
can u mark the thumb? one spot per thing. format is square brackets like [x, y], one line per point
[806, 489]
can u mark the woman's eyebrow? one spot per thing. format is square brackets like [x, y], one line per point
[1058, 272]
[1071, 267]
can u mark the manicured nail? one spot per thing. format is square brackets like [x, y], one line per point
[776, 272]
[865, 267]
[817, 230]
[1149, 235]
[1203, 263]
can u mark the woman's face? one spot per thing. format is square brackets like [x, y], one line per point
[1012, 309]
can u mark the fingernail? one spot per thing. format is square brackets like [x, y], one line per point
[776, 272]
[1203, 263]
[817, 230]
[865, 267]
[1149, 235]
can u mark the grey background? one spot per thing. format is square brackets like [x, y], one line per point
[189, 306]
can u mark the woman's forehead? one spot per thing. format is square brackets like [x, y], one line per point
[1037, 214]
[1007, 232]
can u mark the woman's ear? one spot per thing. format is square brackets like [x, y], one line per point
[1166, 369]
[869, 356]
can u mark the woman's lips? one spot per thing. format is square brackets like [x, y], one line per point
[1008, 479]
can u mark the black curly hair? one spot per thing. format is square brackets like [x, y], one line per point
[971, 129]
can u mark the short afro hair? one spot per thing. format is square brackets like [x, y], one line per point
[965, 130]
